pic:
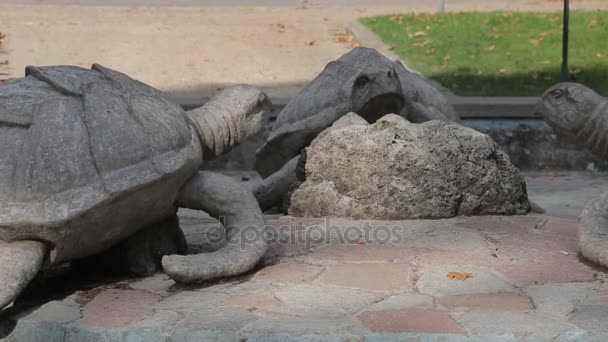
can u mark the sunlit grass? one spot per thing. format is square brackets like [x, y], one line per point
[500, 53]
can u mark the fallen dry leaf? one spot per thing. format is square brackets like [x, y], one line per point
[459, 276]
[423, 44]
[419, 34]
[346, 38]
[535, 42]
[503, 70]
[310, 42]
[430, 51]
[490, 48]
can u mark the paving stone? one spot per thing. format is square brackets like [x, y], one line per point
[299, 325]
[192, 300]
[434, 281]
[552, 268]
[558, 299]
[599, 296]
[591, 317]
[403, 301]
[519, 323]
[489, 301]
[159, 283]
[64, 311]
[359, 253]
[320, 301]
[413, 320]
[217, 319]
[382, 277]
[117, 308]
[164, 319]
[253, 301]
[287, 273]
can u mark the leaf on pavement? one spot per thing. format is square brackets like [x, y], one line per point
[459, 276]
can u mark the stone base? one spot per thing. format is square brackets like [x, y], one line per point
[338, 279]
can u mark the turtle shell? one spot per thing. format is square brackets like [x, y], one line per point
[88, 157]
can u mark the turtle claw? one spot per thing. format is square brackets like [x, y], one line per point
[20, 261]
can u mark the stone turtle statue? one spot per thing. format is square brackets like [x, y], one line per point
[362, 81]
[90, 157]
[422, 101]
[579, 113]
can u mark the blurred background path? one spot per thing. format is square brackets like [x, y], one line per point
[191, 48]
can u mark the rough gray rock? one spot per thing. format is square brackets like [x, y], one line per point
[581, 114]
[422, 101]
[395, 169]
[91, 157]
[361, 81]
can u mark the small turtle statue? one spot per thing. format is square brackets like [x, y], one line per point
[90, 157]
[579, 113]
[362, 81]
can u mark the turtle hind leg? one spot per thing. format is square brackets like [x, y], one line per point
[593, 234]
[221, 197]
[20, 261]
[140, 254]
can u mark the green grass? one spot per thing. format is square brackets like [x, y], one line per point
[498, 54]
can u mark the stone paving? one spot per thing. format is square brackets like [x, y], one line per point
[345, 280]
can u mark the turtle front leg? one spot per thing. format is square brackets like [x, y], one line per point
[230, 202]
[20, 261]
[593, 234]
[271, 190]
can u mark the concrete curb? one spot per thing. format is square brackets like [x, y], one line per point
[30, 331]
[466, 106]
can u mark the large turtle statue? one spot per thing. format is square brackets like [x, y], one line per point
[579, 113]
[90, 157]
[362, 81]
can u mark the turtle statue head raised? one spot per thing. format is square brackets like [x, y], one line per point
[375, 93]
[567, 107]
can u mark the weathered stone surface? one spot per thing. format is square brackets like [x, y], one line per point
[287, 273]
[422, 101]
[558, 299]
[394, 169]
[117, 308]
[60, 312]
[591, 317]
[329, 301]
[487, 301]
[579, 113]
[403, 301]
[520, 323]
[413, 320]
[361, 81]
[434, 281]
[93, 157]
[253, 301]
[379, 277]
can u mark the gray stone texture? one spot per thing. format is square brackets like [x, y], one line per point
[581, 114]
[394, 169]
[423, 102]
[92, 157]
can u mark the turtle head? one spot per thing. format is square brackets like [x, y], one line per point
[233, 115]
[251, 108]
[376, 93]
[567, 106]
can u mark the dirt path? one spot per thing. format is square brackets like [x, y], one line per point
[190, 52]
